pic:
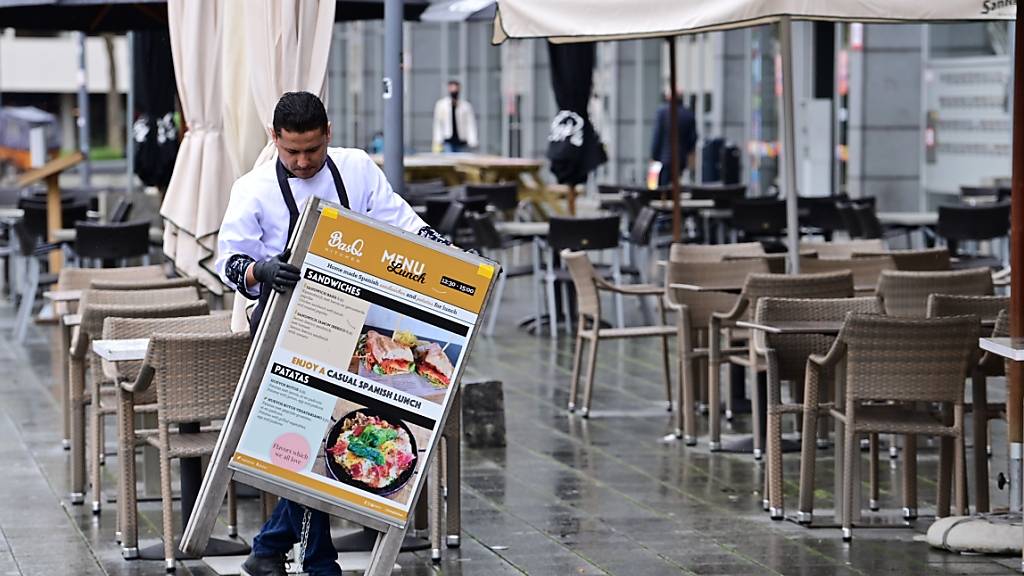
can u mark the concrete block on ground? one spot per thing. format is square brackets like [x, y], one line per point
[483, 414]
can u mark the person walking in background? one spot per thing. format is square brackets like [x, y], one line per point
[661, 146]
[454, 122]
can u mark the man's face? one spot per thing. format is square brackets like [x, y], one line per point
[303, 153]
[453, 89]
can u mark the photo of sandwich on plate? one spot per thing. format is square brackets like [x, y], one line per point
[401, 359]
[433, 364]
[386, 356]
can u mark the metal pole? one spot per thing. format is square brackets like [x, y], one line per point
[394, 137]
[789, 145]
[1015, 370]
[1, 72]
[673, 138]
[129, 123]
[83, 112]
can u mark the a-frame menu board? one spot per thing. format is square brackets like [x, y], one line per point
[350, 377]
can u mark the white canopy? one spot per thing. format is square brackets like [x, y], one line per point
[579, 20]
[595, 20]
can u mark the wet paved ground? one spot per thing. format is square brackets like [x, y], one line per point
[566, 496]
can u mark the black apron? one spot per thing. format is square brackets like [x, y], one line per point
[293, 217]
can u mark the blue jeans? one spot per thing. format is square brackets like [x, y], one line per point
[450, 147]
[284, 529]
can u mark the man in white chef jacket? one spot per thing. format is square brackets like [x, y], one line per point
[260, 218]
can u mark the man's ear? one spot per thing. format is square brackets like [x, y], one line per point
[329, 133]
[272, 132]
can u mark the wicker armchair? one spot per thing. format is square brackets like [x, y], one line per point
[80, 279]
[95, 307]
[588, 287]
[786, 356]
[714, 252]
[195, 377]
[145, 284]
[834, 285]
[906, 293]
[866, 271]
[906, 361]
[990, 365]
[130, 403]
[930, 259]
[694, 311]
[842, 250]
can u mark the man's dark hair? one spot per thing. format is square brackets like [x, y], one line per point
[456, 82]
[299, 112]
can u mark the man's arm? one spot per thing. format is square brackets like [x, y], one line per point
[238, 243]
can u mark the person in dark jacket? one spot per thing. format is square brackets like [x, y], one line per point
[661, 147]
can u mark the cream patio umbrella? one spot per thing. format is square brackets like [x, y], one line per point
[271, 47]
[590, 20]
[198, 192]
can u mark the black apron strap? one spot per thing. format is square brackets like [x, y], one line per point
[289, 199]
[339, 184]
[293, 218]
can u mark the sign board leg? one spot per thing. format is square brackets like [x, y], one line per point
[385, 552]
[204, 514]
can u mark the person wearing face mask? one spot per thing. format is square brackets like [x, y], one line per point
[261, 216]
[454, 122]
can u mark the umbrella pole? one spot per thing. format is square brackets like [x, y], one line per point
[394, 138]
[1015, 370]
[789, 146]
[673, 138]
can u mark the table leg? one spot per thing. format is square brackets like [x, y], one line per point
[65, 347]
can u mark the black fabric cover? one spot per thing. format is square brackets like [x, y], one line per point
[573, 146]
[155, 135]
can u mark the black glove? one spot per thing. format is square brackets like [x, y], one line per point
[277, 272]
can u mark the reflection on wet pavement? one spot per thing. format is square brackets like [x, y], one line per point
[608, 495]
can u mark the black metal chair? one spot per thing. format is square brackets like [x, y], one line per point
[502, 197]
[35, 217]
[974, 223]
[979, 194]
[121, 212]
[849, 220]
[448, 224]
[724, 196]
[489, 242]
[31, 252]
[582, 234]
[112, 242]
[436, 208]
[820, 215]
[475, 204]
[761, 219]
[871, 228]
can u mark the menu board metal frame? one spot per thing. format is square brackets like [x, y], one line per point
[215, 483]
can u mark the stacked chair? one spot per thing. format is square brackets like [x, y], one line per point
[893, 364]
[71, 279]
[757, 286]
[97, 401]
[786, 359]
[693, 313]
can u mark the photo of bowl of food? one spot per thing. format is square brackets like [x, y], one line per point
[370, 451]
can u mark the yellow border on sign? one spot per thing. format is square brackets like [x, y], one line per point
[305, 481]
